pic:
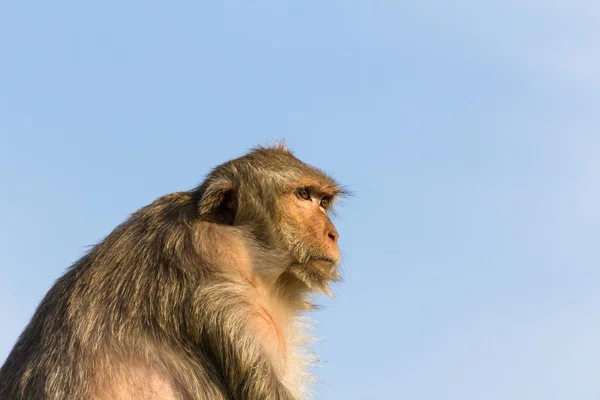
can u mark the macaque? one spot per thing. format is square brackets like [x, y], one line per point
[198, 295]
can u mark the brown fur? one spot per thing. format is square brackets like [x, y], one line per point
[196, 296]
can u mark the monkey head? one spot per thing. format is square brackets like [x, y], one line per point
[285, 204]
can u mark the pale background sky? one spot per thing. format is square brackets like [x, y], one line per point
[469, 132]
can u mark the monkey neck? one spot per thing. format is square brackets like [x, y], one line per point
[276, 295]
[268, 270]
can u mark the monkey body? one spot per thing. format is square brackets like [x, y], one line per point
[198, 295]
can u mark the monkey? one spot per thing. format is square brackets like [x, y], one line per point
[201, 294]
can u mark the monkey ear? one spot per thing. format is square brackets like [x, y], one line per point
[219, 202]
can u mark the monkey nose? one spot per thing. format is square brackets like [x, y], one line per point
[333, 235]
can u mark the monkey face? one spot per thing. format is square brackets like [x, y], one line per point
[307, 209]
[312, 237]
[284, 204]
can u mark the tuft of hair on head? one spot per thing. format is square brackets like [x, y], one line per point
[276, 145]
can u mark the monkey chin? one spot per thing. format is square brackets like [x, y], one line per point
[317, 273]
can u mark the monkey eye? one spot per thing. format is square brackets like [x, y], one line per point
[303, 193]
[325, 203]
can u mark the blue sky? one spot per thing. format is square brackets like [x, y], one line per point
[468, 131]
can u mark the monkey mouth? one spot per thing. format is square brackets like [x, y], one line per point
[325, 259]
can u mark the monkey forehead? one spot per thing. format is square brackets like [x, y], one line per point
[280, 166]
[296, 174]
